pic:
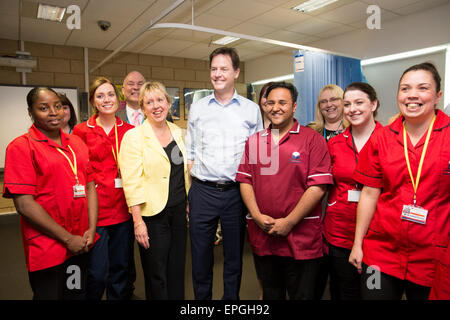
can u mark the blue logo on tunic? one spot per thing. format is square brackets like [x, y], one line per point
[295, 157]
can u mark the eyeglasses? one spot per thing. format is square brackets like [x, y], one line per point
[325, 101]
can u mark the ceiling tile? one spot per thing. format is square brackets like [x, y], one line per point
[420, 6]
[347, 14]
[312, 26]
[240, 10]
[280, 18]
[252, 29]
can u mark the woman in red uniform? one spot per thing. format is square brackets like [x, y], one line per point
[360, 108]
[103, 133]
[47, 174]
[403, 213]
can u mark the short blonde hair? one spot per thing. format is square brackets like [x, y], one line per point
[152, 86]
[319, 122]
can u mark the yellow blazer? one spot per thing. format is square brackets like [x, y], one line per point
[145, 168]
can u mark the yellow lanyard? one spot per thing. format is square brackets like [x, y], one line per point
[419, 170]
[117, 147]
[73, 165]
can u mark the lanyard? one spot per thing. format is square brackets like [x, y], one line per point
[116, 153]
[419, 170]
[354, 149]
[73, 165]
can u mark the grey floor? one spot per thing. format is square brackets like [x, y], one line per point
[14, 283]
[14, 277]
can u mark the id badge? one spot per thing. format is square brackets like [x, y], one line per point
[79, 191]
[414, 214]
[118, 183]
[353, 195]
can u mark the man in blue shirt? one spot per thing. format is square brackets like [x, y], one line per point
[217, 130]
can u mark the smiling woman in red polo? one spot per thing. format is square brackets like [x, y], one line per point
[47, 174]
[403, 215]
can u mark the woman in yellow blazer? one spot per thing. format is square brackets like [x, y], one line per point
[155, 180]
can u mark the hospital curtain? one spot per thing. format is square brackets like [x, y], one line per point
[313, 70]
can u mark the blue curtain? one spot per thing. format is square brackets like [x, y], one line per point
[314, 70]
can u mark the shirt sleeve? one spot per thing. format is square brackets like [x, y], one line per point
[19, 174]
[190, 135]
[244, 174]
[319, 162]
[368, 170]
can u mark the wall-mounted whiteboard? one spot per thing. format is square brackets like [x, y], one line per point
[14, 118]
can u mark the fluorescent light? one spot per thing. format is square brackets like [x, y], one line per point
[312, 5]
[226, 40]
[276, 79]
[403, 55]
[51, 13]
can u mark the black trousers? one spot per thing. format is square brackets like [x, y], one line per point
[164, 262]
[281, 275]
[66, 281]
[387, 287]
[345, 281]
[206, 206]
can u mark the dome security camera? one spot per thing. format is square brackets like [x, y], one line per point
[104, 25]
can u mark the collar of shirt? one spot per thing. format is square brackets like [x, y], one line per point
[92, 121]
[233, 99]
[442, 121]
[295, 129]
[37, 135]
[130, 112]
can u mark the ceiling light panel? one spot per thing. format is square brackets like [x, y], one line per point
[51, 13]
[312, 5]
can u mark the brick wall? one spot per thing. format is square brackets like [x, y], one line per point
[64, 66]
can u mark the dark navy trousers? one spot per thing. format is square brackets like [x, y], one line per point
[109, 261]
[207, 205]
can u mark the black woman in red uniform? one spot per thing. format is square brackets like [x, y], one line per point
[402, 222]
[48, 176]
[360, 109]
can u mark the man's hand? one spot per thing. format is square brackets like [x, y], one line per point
[281, 227]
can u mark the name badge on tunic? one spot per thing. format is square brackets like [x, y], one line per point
[118, 183]
[79, 191]
[353, 195]
[414, 214]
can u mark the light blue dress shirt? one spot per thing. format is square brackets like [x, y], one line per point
[216, 136]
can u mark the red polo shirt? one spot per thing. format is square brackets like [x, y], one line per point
[340, 218]
[280, 174]
[401, 248]
[112, 206]
[33, 166]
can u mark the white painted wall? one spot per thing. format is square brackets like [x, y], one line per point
[384, 78]
[421, 30]
[270, 66]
